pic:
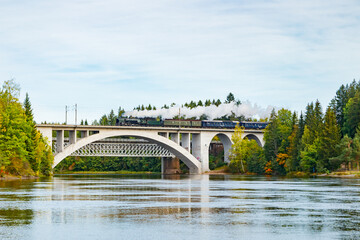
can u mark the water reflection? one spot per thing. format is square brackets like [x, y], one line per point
[197, 206]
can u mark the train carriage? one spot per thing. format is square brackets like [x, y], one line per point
[189, 123]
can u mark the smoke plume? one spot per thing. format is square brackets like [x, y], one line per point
[246, 109]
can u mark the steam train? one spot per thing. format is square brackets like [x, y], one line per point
[153, 122]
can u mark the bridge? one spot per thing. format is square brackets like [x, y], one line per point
[190, 145]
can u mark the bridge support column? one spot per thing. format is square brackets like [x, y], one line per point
[84, 134]
[72, 137]
[185, 141]
[170, 165]
[175, 137]
[200, 150]
[59, 141]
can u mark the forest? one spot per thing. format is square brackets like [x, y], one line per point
[313, 141]
[23, 150]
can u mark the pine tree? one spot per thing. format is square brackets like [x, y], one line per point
[329, 139]
[218, 102]
[309, 154]
[356, 149]
[121, 111]
[345, 153]
[104, 121]
[352, 116]
[32, 140]
[111, 118]
[230, 98]
[271, 137]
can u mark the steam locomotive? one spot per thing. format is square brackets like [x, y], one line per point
[153, 122]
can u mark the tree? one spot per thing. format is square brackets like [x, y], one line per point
[355, 154]
[292, 162]
[343, 94]
[104, 120]
[111, 118]
[271, 137]
[345, 153]
[237, 153]
[329, 138]
[121, 111]
[20, 142]
[352, 116]
[218, 102]
[33, 140]
[230, 98]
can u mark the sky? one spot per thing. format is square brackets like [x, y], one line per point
[104, 54]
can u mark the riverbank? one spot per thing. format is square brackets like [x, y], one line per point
[340, 174]
[12, 178]
[103, 172]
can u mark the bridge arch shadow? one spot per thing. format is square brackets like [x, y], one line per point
[189, 160]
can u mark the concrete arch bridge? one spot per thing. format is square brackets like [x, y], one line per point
[190, 145]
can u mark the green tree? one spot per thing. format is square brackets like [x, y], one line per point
[121, 112]
[104, 120]
[345, 153]
[111, 118]
[329, 139]
[33, 140]
[352, 115]
[237, 151]
[341, 99]
[218, 102]
[355, 155]
[230, 98]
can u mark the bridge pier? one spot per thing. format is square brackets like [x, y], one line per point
[170, 165]
[185, 141]
[59, 140]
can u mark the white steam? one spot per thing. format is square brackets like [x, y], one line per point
[246, 109]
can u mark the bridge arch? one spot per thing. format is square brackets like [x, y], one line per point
[190, 161]
[253, 137]
[225, 139]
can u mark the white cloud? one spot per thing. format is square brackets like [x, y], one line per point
[105, 54]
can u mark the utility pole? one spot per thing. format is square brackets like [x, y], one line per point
[75, 113]
[66, 110]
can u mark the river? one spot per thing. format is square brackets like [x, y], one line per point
[179, 207]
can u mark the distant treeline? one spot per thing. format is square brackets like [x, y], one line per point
[193, 104]
[23, 150]
[312, 142]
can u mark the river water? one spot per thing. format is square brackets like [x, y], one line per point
[186, 207]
